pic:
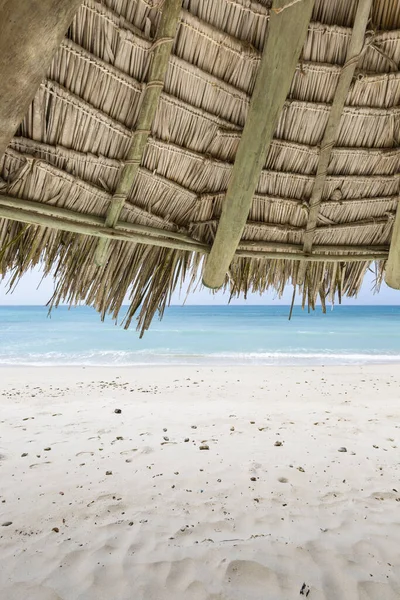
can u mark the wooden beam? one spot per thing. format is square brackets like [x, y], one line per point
[332, 128]
[63, 219]
[286, 228]
[159, 57]
[286, 247]
[287, 31]
[392, 272]
[30, 34]
[313, 257]
[45, 215]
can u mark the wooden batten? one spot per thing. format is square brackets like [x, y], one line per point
[30, 34]
[392, 271]
[159, 58]
[332, 128]
[287, 31]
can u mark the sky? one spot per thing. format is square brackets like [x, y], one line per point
[31, 291]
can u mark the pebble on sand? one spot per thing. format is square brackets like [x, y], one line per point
[118, 411]
[108, 472]
[278, 443]
[6, 524]
[342, 449]
[204, 447]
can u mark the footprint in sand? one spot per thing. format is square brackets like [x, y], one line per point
[31, 591]
[250, 576]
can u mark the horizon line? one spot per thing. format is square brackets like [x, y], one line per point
[183, 305]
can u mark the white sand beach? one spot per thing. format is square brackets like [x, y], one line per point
[99, 505]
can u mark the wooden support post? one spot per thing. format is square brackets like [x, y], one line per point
[392, 272]
[332, 128]
[30, 34]
[287, 31]
[159, 58]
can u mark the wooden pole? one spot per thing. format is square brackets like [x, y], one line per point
[392, 273]
[30, 33]
[63, 219]
[45, 215]
[313, 257]
[287, 31]
[159, 58]
[332, 128]
[285, 247]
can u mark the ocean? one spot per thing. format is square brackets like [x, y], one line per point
[202, 335]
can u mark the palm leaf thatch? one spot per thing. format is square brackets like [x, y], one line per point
[61, 172]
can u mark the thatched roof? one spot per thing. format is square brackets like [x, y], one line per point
[68, 153]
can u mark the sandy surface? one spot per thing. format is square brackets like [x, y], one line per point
[246, 519]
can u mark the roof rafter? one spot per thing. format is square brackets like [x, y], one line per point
[357, 44]
[161, 51]
[287, 32]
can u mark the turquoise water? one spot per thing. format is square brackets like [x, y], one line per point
[198, 335]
